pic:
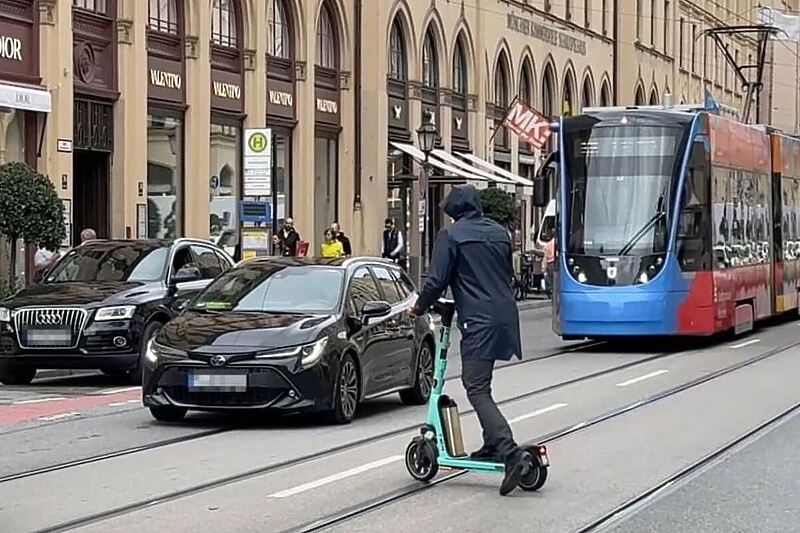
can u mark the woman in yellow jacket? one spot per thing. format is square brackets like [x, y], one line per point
[331, 246]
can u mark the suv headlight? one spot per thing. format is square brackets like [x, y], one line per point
[312, 353]
[151, 353]
[5, 315]
[118, 312]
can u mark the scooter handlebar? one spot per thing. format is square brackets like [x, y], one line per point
[446, 309]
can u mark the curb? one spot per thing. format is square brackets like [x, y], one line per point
[533, 304]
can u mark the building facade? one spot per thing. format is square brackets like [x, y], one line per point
[140, 123]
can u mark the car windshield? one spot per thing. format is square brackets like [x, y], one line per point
[281, 289]
[620, 177]
[110, 263]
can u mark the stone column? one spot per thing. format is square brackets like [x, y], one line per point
[197, 128]
[129, 169]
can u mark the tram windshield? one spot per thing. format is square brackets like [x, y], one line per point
[620, 175]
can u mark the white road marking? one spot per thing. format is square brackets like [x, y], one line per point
[39, 400]
[746, 343]
[134, 401]
[336, 477]
[58, 417]
[117, 404]
[642, 378]
[542, 411]
[117, 391]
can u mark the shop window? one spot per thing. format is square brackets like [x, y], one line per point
[224, 24]
[163, 16]
[283, 176]
[224, 149]
[278, 43]
[164, 176]
[325, 188]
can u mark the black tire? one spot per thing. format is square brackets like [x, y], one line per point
[423, 382]
[168, 413]
[536, 476]
[421, 459]
[149, 332]
[17, 376]
[346, 392]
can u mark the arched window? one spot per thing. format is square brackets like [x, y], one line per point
[501, 84]
[397, 53]
[568, 105]
[163, 16]
[605, 96]
[653, 97]
[326, 40]
[526, 84]
[459, 69]
[548, 92]
[587, 98]
[430, 62]
[224, 24]
[98, 6]
[278, 43]
[639, 100]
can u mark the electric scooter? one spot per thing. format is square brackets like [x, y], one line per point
[441, 443]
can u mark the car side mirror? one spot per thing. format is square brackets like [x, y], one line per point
[374, 310]
[186, 274]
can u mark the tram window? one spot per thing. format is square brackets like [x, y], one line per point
[694, 230]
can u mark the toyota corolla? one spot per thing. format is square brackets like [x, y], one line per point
[293, 334]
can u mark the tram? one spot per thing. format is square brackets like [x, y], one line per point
[676, 220]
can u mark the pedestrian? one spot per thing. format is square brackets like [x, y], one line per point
[88, 234]
[392, 241]
[287, 238]
[331, 246]
[474, 258]
[548, 264]
[43, 260]
[344, 239]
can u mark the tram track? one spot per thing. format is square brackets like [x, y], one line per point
[638, 502]
[217, 431]
[343, 516]
[321, 454]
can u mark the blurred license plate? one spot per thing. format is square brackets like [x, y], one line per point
[48, 337]
[218, 381]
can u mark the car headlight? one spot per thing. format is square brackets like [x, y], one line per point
[118, 312]
[151, 353]
[5, 315]
[312, 353]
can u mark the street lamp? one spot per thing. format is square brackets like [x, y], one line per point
[427, 136]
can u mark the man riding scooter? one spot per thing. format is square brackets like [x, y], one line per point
[474, 258]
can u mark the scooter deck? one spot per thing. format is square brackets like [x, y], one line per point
[470, 464]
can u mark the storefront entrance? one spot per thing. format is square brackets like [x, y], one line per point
[90, 193]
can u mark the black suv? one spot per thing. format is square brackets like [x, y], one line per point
[98, 307]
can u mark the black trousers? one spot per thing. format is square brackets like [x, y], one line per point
[476, 376]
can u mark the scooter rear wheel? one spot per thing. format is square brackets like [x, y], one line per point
[536, 476]
[421, 459]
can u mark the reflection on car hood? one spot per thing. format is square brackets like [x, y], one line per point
[232, 332]
[78, 293]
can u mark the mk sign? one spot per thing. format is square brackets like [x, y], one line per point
[529, 125]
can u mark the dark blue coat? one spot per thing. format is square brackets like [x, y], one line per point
[474, 258]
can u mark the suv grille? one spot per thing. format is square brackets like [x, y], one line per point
[49, 327]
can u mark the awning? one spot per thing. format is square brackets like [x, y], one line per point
[452, 160]
[419, 155]
[497, 170]
[26, 98]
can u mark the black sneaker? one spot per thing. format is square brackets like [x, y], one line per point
[518, 464]
[486, 453]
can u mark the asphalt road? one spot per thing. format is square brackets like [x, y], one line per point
[630, 416]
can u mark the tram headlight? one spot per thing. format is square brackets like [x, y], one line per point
[582, 277]
[643, 278]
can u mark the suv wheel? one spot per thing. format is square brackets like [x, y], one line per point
[17, 376]
[345, 392]
[421, 391]
[149, 332]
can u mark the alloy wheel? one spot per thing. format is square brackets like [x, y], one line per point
[348, 388]
[425, 371]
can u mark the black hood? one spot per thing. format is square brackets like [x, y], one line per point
[462, 202]
[232, 332]
[78, 293]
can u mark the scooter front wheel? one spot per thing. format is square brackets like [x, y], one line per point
[421, 459]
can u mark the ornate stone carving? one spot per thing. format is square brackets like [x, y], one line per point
[47, 12]
[249, 57]
[344, 79]
[300, 70]
[124, 31]
[191, 45]
[85, 63]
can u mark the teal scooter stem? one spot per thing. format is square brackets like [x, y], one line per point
[440, 442]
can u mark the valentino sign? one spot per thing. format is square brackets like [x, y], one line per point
[227, 90]
[170, 80]
[10, 48]
[327, 106]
